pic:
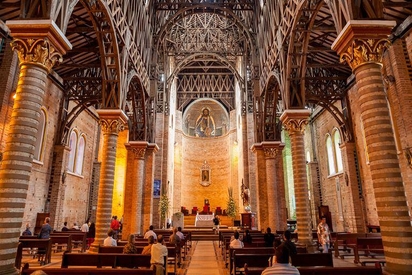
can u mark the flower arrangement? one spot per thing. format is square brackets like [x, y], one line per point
[164, 204]
[178, 215]
[231, 205]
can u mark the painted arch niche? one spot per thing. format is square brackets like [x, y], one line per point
[205, 118]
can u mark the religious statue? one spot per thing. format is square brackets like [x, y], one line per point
[205, 124]
[205, 175]
[245, 193]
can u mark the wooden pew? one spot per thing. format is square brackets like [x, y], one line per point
[172, 256]
[45, 244]
[78, 238]
[117, 249]
[105, 259]
[343, 241]
[322, 270]
[247, 250]
[60, 241]
[110, 249]
[250, 261]
[340, 270]
[371, 247]
[312, 259]
[90, 271]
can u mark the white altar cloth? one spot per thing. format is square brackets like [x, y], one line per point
[204, 220]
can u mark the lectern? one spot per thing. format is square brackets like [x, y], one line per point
[248, 220]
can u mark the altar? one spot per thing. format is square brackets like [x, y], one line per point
[204, 220]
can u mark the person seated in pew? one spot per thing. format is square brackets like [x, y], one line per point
[174, 238]
[236, 243]
[247, 238]
[180, 234]
[158, 254]
[27, 232]
[269, 237]
[91, 234]
[109, 241]
[148, 248]
[75, 226]
[289, 244]
[280, 263]
[65, 228]
[130, 247]
[150, 232]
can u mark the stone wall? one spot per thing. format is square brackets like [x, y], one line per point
[217, 153]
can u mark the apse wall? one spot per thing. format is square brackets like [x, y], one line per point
[197, 152]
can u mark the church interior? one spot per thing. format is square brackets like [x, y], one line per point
[268, 113]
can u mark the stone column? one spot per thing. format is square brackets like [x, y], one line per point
[271, 151]
[38, 51]
[262, 202]
[138, 149]
[128, 196]
[362, 44]
[295, 122]
[147, 214]
[112, 121]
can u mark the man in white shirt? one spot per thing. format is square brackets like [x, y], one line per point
[236, 243]
[150, 232]
[75, 226]
[158, 254]
[281, 263]
[85, 227]
[109, 241]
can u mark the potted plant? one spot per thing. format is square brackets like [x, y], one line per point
[231, 205]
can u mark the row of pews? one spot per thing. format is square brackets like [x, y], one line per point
[254, 258]
[108, 260]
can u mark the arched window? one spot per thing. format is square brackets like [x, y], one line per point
[331, 157]
[308, 156]
[73, 147]
[38, 147]
[80, 155]
[338, 152]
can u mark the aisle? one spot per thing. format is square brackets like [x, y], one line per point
[205, 260]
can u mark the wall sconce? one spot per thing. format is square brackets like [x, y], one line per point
[64, 176]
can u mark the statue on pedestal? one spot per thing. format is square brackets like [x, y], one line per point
[245, 194]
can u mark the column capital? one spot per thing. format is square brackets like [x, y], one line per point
[138, 148]
[272, 149]
[152, 148]
[112, 120]
[295, 120]
[363, 41]
[38, 42]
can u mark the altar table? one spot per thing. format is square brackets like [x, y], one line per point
[204, 220]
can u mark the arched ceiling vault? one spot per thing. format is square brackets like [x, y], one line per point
[111, 38]
[206, 39]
